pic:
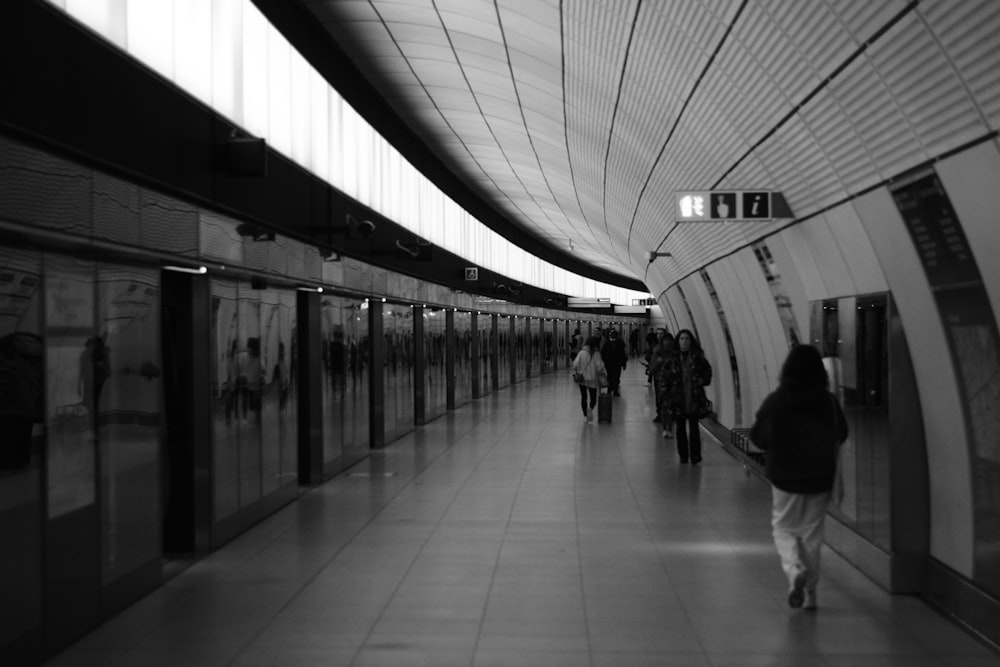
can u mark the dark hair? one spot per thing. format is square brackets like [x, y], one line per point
[695, 345]
[803, 369]
[594, 342]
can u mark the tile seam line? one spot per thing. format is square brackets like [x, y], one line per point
[371, 520]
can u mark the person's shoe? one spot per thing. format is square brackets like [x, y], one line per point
[667, 434]
[698, 460]
[656, 420]
[797, 594]
[809, 602]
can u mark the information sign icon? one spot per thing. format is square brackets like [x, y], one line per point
[756, 205]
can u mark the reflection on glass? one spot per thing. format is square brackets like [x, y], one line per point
[852, 334]
[344, 329]
[278, 418]
[484, 332]
[562, 344]
[504, 326]
[125, 376]
[22, 410]
[70, 378]
[519, 331]
[463, 357]
[251, 384]
[398, 371]
[435, 370]
[228, 409]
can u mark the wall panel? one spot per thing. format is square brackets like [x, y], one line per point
[712, 340]
[826, 254]
[856, 249]
[972, 180]
[948, 458]
[739, 315]
[792, 283]
[801, 253]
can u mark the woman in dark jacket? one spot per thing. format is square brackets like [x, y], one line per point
[801, 426]
[683, 377]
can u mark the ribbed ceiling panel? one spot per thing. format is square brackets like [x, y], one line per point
[560, 113]
[969, 32]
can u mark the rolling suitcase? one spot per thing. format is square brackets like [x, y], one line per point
[604, 406]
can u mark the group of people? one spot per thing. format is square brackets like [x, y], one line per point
[800, 425]
[679, 371]
[597, 362]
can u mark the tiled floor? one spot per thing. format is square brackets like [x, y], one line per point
[512, 533]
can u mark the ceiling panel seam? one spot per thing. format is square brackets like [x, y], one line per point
[524, 121]
[955, 69]
[562, 64]
[815, 91]
[447, 122]
[677, 120]
[614, 117]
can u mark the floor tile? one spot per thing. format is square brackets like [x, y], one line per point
[514, 534]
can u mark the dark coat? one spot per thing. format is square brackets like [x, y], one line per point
[801, 431]
[614, 353]
[671, 384]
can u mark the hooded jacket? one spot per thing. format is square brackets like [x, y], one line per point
[801, 431]
[591, 365]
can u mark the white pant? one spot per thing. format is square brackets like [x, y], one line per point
[797, 523]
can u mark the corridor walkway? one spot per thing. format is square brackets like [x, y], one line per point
[512, 533]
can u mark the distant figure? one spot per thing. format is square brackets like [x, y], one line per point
[232, 381]
[615, 358]
[590, 365]
[801, 425]
[633, 343]
[95, 368]
[666, 347]
[651, 339]
[686, 372]
[575, 343]
[281, 377]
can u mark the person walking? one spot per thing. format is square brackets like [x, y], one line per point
[575, 344]
[633, 343]
[654, 375]
[589, 367]
[615, 358]
[684, 376]
[667, 347]
[801, 426]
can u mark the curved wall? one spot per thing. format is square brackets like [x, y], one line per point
[865, 247]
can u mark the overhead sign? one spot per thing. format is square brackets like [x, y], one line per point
[472, 273]
[644, 302]
[713, 205]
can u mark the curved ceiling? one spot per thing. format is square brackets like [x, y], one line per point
[578, 120]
